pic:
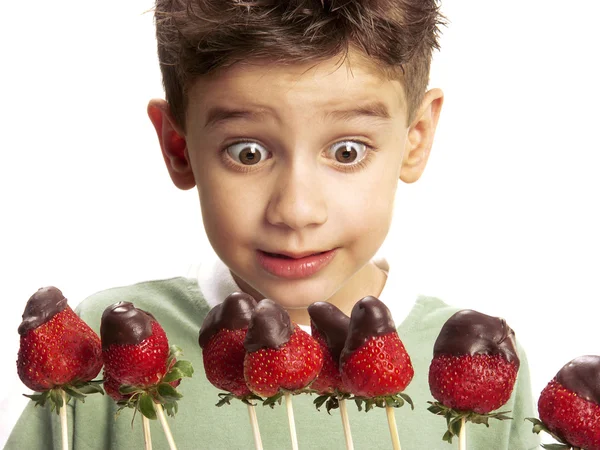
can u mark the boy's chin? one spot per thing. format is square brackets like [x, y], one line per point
[291, 295]
[294, 301]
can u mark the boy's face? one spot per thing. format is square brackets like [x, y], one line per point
[296, 168]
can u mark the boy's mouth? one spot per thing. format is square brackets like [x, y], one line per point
[294, 265]
[293, 255]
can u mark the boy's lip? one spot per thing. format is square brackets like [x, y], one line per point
[294, 265]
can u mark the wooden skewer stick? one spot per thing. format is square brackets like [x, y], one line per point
[255, 430]
[346, 424]
[147, 436]
[292, 424]
[163, 421]
[63, 421]
[462, 436]
[393, 429]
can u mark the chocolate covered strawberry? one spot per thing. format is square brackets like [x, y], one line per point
[329, 328]
[569, 406]
[58, 350]
[222, 341]
[374, 364]
[138, 359]
[473, 371]
[280, 357]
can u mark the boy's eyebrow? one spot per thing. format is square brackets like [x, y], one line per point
[219, 114]
[374, 109]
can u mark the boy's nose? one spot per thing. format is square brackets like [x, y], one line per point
[297, 201]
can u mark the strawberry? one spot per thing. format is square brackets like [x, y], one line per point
[569, 406]
[138, 364]
[111, 386]
[374, 364]
[58, 350]
[222, 341]
[138, 361]
[329, 327]
[280, 356]
[473, 370]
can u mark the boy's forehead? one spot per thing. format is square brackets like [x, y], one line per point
[328, 85]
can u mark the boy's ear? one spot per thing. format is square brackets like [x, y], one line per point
[172, 143]
[420, 136]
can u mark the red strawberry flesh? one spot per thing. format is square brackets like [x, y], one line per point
[475, 363]
[222, 340]
[569, 405]
[290, 367]
[329, 327]
[480, 383]
[329, 379]
[223, 358]
[280, 356]
[374, 362]
[134, 345]
[380, 367]
[57, 347]
[232, 314]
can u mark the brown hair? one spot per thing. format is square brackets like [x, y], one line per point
[198, 37]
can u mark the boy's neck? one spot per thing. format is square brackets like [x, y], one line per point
[370, 280]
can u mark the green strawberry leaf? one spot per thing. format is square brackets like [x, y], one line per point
[168, 393]
[74, 392]
[453, 418]
[126, 389]
[185, 367]
[393, 401]
[407, 398]
[479, 419]
[447, 437]
[90, 388]
[359, 403]
[435, 409]
[558, 447]
[270, 401]
[179, 370]
[226, 397]
[171, 408]
[332, 403]
[146, 406]
[172, 375]
[246, 399]
[175, 351]
[39, 398]
[56, 399]
[539, 426]
[320, 401]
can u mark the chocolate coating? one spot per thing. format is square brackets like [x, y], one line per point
[232, 314]
[332, 323]
[369, 317]
[270, 327]
[470, 332]
[582, 376]
[122, 323]
[41, 307]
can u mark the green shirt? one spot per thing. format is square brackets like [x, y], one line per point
[179, 307]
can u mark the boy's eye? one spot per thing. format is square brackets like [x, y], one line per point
[348, 152]
[247, 153]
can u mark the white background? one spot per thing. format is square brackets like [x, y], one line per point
[505, 219]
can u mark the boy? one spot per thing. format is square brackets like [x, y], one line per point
[294, 120]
